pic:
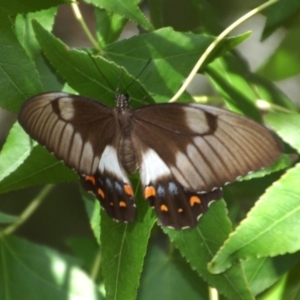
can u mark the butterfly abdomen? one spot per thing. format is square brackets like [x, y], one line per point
[127, 155]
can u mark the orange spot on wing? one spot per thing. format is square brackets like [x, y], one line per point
[164, 207]
[194, 200]
[149, 191]
[122, 204]
[128, 190]
[180, 210]
[101, 193]
[90, 179]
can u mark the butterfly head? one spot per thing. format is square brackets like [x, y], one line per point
[122, 101]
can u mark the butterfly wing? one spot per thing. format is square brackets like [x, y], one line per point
[186, 152]
[84, 134]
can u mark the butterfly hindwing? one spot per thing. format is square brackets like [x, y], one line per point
[115, 196]
[177, 207]
[113, 186]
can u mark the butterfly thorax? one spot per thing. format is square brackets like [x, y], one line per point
[126, 150]
[122, 102]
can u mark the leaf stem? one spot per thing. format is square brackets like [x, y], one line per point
[213, 45]
[213, 293]
[85, 28]
[29, 210]
[96, 266]
[265, 105]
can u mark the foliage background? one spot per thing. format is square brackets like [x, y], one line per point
[55, 250]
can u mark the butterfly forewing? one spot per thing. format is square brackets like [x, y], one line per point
[204, 147]
[85, 135]
[66, 125]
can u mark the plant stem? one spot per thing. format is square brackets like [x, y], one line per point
[96, 266]
[211, 47]
[213, 293]
[85, 28]
[29, 210]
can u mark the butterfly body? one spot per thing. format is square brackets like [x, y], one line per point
[185, 153]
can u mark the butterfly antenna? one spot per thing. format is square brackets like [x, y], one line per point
[120, 80]
[107, 81]
[100, 71]
[144, 68]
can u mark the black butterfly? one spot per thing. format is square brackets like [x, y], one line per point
[185, 152]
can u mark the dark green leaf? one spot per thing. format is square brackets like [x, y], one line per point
[198, 246]
[126, 8]
[88, 251]
[32, 272]
[13, 7]
[279, 13]
[93, 209]
[123, 248]
[15, 87]
[168, 276]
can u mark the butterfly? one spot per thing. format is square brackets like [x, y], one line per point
[185, 153]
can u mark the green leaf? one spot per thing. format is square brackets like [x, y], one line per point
[166, 72]
[168, 276]
[286, 126]
[285, 61]
[291, 284]
[30, 272]
[6, 218]
[109, 26]
[126, 8]
[123, 248]
[14, 62]
[29, 42]
[282, 163]
[81, 73]
[93, 208]
[197, 16]
[93, 77]
[88, 251]
[13, 7]
[265, 231]
[240, 88]
[263, 272]
[15, 150]
[198, 246]
[280, 13]
[25, 33]
[40, 167]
